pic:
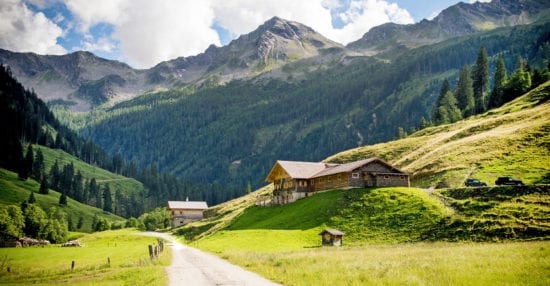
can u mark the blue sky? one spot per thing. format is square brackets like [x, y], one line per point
[143, 33]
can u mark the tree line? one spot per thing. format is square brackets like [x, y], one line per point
[471, 95]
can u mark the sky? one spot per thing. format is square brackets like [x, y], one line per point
[143, 33]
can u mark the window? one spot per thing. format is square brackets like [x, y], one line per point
[355, 175]
[402, 178]
[386, 177]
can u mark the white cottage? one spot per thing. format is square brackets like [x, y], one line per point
[182, 212]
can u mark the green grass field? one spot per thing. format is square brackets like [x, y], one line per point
[127, 250]
[518, 263]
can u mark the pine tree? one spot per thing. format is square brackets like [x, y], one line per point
[448, 111]
[496, 97]
[54, 176]
[38, 166]
[518, 83]
[464, 93]
[63, 199]
[31, 199]
[44, 186]
[107, 199]
[480, 80]
[25, 169]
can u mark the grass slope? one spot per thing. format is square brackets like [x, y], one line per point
[126, 249]
[115, 181]
[14, 191]
[511, 140]
[365, 215]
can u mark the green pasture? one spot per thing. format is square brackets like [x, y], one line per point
[126, 249]
[518, 263]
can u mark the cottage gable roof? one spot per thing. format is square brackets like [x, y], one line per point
[308, 170]
[332, 231]
[297, 170]
[190, 205]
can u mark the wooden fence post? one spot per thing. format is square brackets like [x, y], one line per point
[109, 261]
[151, 253]
[72, 265]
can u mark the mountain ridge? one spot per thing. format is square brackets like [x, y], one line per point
[82, 81]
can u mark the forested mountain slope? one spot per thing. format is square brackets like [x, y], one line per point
[232, 134]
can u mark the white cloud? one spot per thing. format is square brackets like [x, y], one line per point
[149, 32]
[243, 16]
[23, 30]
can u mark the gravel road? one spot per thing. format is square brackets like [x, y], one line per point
[193, 267]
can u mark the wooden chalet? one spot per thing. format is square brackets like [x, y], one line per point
[294, 180]
[182, 212]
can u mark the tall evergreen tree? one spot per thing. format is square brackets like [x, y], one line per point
[55, 176]
[107, 199]
[63, 199]
[480, 80]
[43, 186]
[518, 83]
[38, 166]
[464, 93]
[447, 111]
[496, 97]
[25, 169]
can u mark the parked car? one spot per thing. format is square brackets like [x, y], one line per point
[508, 181]
[474, 183]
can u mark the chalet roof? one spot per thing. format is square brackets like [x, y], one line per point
[331, 231]
[190, 205]
[308, 170]
[302, 170]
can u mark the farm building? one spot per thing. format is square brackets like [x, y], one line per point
[182, 212]
[294, 180]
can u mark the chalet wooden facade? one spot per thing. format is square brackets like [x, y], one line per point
[182, 212]
[294, 180]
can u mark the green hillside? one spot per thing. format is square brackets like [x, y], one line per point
[366, 216]
[13, 191]
[512, 140]
[116, 182]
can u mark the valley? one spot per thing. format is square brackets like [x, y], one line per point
[92, 150]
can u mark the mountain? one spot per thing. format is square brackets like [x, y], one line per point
[458, 20]
[271, 45]
[82, 80]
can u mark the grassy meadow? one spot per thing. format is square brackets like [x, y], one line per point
[440, 263]
[393, 236]
[51, 265]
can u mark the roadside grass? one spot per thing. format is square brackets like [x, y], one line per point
[14, 191]
[51, 265]
[518, 263]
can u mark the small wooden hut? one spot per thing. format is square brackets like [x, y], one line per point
[331, 237]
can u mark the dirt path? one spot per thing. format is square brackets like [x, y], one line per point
[193, 267]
